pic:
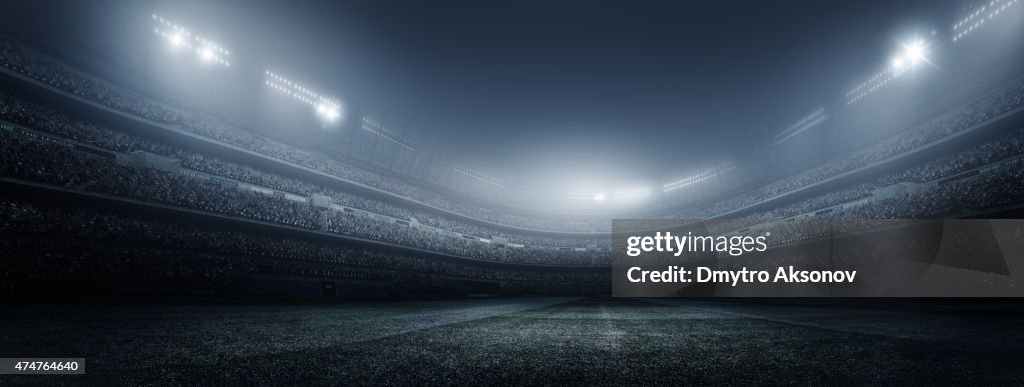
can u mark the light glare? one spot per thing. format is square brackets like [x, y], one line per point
[177, 40]
[328, 112]
[897, 63]
[915, 52]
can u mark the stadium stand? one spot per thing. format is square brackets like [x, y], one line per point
[46, 148]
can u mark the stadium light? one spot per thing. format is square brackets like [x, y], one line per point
[177, 40]
[206, 55]
[328, 112]
[913, 53]
[327, 109]
[379, 130]
[179, 37]
[897, 63]
[477, 175]
[809, 121]
[694, 179]
[976, 19]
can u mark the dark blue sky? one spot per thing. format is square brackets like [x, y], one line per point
[572, 94]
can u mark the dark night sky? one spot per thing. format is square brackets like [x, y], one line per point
[570, 94]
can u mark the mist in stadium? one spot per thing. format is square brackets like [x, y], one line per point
[477, 192]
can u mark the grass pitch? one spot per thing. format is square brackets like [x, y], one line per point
[591, 341]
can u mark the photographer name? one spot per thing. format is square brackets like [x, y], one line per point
[700, 274]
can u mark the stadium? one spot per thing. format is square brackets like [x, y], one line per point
[400, 193]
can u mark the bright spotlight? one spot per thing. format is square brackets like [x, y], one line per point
[332, 114]
[328, 112]
[897, 63]
[179, 37]
[177, 40]
[327, 109]
[599, 197]
[206, 54]
[914, 52]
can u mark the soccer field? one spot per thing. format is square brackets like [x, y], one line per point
[532, 341]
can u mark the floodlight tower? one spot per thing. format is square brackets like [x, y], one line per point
[180, 38]
[328, 109]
